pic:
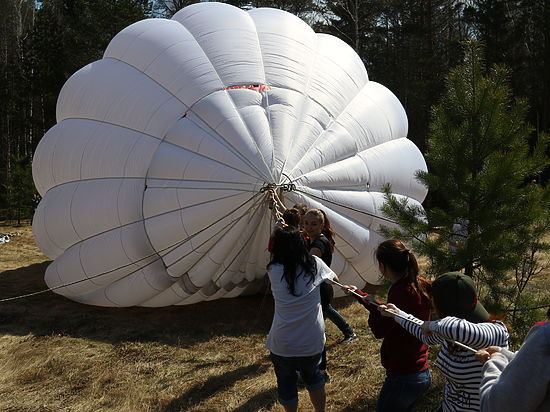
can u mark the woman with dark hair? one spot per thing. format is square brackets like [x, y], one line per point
[463, 319]
[404, 357]
[297, 335]
[292, 217]
[321, 244]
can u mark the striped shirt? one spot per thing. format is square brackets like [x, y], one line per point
[462, 370]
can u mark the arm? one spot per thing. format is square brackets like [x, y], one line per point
[315, 251]
[276, 204]
[279, 223]
[411, 324]
[323, 272]
[365, 299]
[520, 381]
[381, 325]
[478, 335]
[418, 331]
[377, 323]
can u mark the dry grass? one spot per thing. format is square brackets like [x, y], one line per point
[21, 250]
[58, 355]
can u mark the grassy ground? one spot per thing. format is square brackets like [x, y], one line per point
[58, 355]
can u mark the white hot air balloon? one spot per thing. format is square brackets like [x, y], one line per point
[153, 178]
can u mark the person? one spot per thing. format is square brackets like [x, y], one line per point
[321, 243]
[517, 381]
[457, 242]
[297, 335]
[292, 217]
[302, 209]
[459, 235]
[404, 357]
[463, 319]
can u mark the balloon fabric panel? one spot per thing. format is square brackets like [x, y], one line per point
[154, 178]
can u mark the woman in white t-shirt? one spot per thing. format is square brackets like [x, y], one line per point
[297, 335]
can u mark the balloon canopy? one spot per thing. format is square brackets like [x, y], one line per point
[153, 179]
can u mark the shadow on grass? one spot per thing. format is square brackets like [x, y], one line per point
[360, 405]
[216, 384]
[51, 314]
[263, 400]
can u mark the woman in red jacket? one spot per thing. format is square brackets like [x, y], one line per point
[404, 357]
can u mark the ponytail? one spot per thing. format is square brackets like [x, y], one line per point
[394, 254]
[412, 275]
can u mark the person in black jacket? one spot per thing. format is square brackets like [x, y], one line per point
[321, 243]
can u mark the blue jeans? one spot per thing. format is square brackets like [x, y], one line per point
[332, 314]
[400, 393]
[327, 293]
[285, 370]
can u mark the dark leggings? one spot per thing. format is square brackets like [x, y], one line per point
[329, 312]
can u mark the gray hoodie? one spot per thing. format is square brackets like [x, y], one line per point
[519, 381]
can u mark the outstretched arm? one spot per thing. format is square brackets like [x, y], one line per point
[368, 301]
[413, 325]
[276, 205]
[478, 335]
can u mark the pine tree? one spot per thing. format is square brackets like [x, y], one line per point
[481, 171]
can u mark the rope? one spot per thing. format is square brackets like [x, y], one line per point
[232, 224]
[346, 207]
[270, 187]
[435, 229]
[358, 211]
[275, 202]
[417, 322]
[156, 253]
[286, 187]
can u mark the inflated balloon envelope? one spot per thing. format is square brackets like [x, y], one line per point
[153, 180]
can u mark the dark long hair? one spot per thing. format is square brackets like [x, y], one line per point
[290, 250]
[394, 254]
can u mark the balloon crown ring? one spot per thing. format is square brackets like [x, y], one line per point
[286, 187]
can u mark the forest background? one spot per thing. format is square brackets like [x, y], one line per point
[413, 48]
[408, 46]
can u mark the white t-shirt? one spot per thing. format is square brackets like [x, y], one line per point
[298, 328]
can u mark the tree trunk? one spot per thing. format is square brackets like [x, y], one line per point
[545, 115]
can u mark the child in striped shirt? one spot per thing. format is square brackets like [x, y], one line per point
[465, 320]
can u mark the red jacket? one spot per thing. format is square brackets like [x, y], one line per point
[401, 353]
